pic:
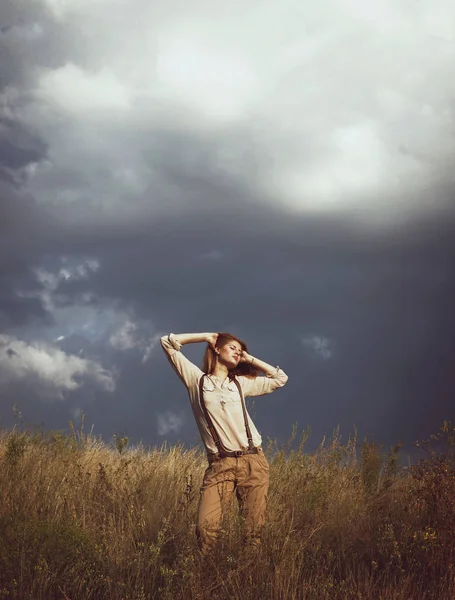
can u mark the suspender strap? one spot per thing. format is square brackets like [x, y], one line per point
[213, 432]
[245, 416]
[216, 438]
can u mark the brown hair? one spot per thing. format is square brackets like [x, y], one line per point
[209, 360]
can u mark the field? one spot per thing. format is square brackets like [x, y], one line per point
[82, 519]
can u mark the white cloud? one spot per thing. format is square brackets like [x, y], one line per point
[131, 335]
[168, 422]
[221, 83]
[78, 270]
[349, 107]
[106, 323]
[71, 270]
[150, 346]
[68, 8]
[125, 338]
[47, 279]
[73, 90]
[319, 345]
[51, 371]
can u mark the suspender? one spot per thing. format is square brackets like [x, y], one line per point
[216, 438]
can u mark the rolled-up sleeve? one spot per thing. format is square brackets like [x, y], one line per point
[170, 344]
[263, 385]
[188, 372]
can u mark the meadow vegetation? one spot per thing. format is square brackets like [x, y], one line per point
[81, 519]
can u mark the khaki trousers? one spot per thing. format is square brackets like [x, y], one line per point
[248, 476]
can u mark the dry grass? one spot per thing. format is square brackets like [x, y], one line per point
[80, 519]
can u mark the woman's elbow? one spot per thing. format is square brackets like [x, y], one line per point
[282, 379]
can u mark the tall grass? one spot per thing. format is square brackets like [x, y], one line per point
[80, 519]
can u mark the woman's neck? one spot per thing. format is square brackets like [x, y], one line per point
[220, 371]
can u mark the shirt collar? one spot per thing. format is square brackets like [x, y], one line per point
[218, 379]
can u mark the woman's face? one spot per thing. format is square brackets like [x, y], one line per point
[230, 354]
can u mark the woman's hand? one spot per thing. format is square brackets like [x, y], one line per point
[211, 339]
[246, 358]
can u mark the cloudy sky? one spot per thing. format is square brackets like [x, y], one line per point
[278, 169]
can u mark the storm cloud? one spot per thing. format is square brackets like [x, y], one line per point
[276, 170]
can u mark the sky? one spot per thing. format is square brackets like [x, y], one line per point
[277, 169]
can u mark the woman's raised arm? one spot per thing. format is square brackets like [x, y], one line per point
[274, 377]
[188, 372]
[191, 338]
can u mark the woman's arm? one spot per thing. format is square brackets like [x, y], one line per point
[188, 372]
[191, 338]
[274, 377]
[267, 369]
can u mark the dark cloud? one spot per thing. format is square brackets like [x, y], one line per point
[384, 304]
[18, 147]
[189, 230]
[17, 312]
[380, 298]
[32, 39]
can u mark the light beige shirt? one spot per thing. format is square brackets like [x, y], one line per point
[222, 399]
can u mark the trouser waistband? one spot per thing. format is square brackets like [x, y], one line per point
[233, 454]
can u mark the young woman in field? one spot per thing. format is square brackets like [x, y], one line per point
[236, 460]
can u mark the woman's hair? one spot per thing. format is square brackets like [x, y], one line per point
[209, 360]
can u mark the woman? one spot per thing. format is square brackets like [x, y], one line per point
[236, 460]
